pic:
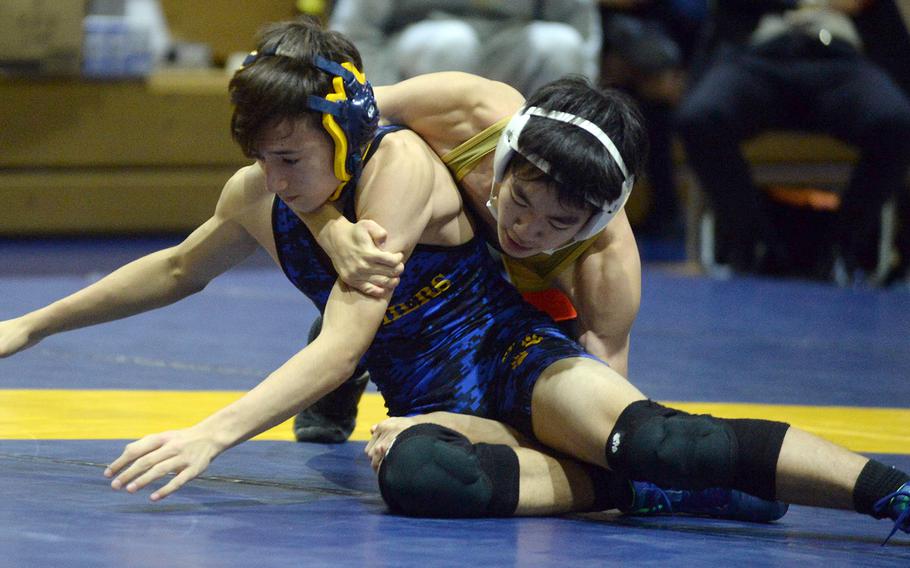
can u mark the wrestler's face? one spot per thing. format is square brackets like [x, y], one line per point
[531, 219]
[296, 159]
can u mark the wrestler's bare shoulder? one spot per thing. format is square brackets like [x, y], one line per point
[244, 190]
[246, 202]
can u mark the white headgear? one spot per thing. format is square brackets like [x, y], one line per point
[508, 147]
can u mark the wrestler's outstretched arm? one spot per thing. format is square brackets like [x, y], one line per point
[153, 281]
[349, 323]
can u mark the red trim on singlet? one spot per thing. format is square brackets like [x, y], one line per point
[553, 302]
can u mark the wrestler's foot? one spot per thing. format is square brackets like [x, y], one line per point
[331, 419]
[717, 503]
[896, 506]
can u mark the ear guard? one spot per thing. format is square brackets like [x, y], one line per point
[507, 147]
[349, 114]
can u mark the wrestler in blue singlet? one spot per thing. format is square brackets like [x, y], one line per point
[456, 336]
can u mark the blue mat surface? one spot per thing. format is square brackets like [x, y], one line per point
[284, 504]
[281, 504]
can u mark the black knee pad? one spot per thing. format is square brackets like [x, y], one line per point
[672, 448]
[432, 471]
[676, 449]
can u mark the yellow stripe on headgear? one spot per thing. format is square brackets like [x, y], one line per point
[336, 132]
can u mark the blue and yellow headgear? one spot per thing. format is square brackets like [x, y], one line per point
[349, 114]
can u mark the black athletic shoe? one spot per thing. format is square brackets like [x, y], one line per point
[331, 419]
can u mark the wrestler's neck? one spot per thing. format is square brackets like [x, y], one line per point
[475, 188]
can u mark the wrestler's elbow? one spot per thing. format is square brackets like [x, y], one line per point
[612, 349]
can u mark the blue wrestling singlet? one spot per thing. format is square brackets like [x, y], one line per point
[456, 336]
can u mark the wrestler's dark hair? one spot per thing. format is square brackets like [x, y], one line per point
[585, 170]
[275, 88]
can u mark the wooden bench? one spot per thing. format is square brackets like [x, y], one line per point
[121, 157]
[144, 156]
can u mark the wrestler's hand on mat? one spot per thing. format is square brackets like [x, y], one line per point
[184, 452]
[16, 335]
[357, 255]
[384, 434]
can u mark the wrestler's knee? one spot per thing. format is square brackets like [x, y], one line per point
[433, 471]
[673, 448]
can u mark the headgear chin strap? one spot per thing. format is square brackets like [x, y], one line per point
[349, 114]
[507, 147]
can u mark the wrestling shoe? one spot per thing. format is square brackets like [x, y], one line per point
[651, 500]
[331, 419]
[896, 506]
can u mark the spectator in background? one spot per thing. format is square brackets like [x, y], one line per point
[795, 65]
[883, 26]
[647, 47]
[525, 43]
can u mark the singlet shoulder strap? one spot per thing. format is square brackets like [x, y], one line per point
[462, 159]
[380, 134]
[347, 197]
